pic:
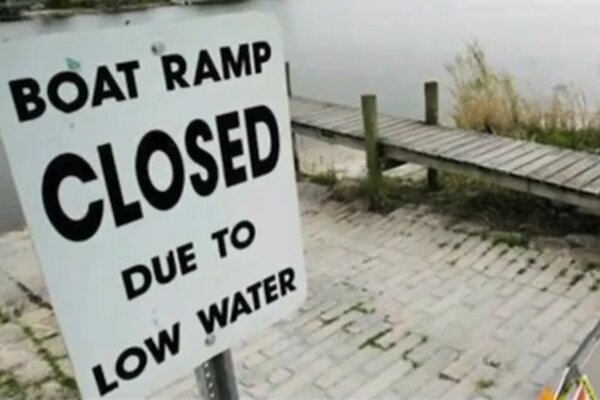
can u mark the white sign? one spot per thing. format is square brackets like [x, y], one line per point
[154, 167]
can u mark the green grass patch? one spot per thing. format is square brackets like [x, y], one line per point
[483, 384]
[68, 384]
[10, 387]
[562, 273]
[511, 218]
[4, 318]
[326, 178]
[591, 267]
[511, 239]
[445, 377]
[576, 278]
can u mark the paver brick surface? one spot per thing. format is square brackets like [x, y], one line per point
[400, 306]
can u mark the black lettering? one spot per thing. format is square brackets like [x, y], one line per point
[106, 87]
[254, 116]
[240, 306]
[159, 141]
[128, 69]
[215, 315]
[26, 97]
[122, 213]
[220, 237]
[186, 256]
[103, 387]
[270, 289]
[169, 275]
[235, 233]
[262, 54]
[254, 291]
[165, 341]
[200, 129]
[132, 353]
[205, 68]
[131, 290]
[236, 66]
[67, 77]
[230, 148]
[61, 167]
[286, 280]
[174, 67]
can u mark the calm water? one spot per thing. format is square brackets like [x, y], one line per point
[342, 48]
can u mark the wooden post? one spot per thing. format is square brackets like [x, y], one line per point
[432, 118]
[369, 111]
[288, 80]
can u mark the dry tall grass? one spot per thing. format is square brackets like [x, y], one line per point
[488, 100]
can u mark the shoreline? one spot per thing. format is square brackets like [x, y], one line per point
[74, 11]
[70, 12]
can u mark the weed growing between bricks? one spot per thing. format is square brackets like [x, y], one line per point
[325, 178]
[576, 273]
[508, 218]
[11, 388]
[372, 341]
[483, 384]
[4, 318]
[358, 307]
[512, 217]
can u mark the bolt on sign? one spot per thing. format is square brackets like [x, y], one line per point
[157, 181]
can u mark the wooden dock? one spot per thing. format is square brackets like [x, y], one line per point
[559, 174]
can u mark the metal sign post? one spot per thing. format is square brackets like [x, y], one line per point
[216, 378]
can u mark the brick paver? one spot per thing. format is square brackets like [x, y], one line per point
[400, 306]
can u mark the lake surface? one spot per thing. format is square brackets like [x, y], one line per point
[339, 49]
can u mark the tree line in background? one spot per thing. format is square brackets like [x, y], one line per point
[98, 4]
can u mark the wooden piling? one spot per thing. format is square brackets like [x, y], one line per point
[369, 111]
[288, 81]
[432, 118]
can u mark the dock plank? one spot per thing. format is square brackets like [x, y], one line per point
[427, 134]
[322, 117]
[416, 134]
[560, 174]
[468, 151]
[514, 165]
[565, 175]
[400, 126]
[569, 158]
[593, 186]
[497, 150]
[550, 157]
[502, 159]
[441, 144]
[340, 119]
[583, 179]
[471, 156]
[347, 123]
